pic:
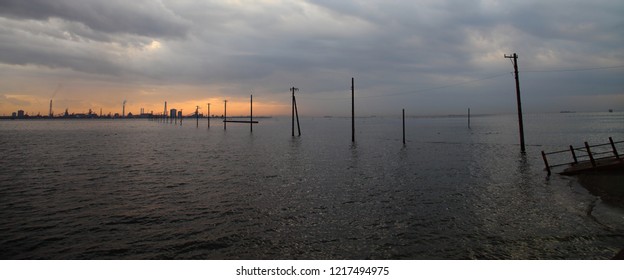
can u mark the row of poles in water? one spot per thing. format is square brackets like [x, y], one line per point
[175, 115]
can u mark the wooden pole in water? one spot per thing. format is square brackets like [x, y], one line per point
[197, 116]
[224, 114]
[251, 113]
[297, 116]
[521, 127]
[352, 109]
[403, 126]
[208, 115]
[293, 105]
[468, 117]
[292, 114]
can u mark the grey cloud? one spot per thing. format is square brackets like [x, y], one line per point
[44, 45]
[142, 17]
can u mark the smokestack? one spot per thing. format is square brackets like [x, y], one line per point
[123, 111]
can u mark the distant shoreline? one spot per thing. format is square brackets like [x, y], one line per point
[121, 118]
[416, 116]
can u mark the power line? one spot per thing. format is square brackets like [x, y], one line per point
[416, 91]
[573, 70]
[466, 82]
[438, 87]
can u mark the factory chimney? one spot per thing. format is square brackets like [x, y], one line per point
[123, 110]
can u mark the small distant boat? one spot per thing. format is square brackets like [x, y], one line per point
[610, 110]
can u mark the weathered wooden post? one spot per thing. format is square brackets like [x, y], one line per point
[208, 115]
[251, 113]
[197, 116]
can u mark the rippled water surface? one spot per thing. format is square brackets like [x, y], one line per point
[138, 189]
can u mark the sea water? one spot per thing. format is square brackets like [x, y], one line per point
[140, 189]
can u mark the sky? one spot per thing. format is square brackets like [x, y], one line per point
[428, 57]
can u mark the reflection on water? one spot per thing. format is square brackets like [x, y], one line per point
[139, 189]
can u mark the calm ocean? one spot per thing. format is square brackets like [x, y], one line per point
[139, 189]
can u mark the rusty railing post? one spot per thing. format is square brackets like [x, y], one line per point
[614, 150]
[546, 162]
[591, 157]
[573, 154]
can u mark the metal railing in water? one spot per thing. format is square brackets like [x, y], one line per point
[586, 154]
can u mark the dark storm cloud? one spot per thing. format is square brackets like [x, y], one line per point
[408, 50]
[142, 17]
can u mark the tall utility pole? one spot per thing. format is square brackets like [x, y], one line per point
[295, 111]
[224, 114]
[352, 110]
[515, 64]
